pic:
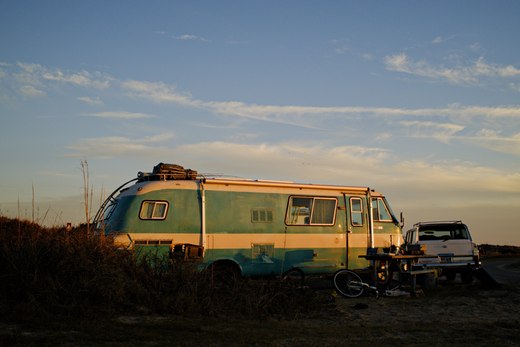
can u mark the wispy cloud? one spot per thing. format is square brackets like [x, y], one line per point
[30, 91]
[163, 93]
[82, 78]
[493, 140]
[458, 75]
[181, 37]
[120, 115]
[36, 75]
[294, 161]
[120, 146]
[91, 101]
[452, 119]
[426, 129]
[189, 37]
[377, 167]
[341, 46]
[159, 92]
[442, 39]
[442, 124]
[515, 86]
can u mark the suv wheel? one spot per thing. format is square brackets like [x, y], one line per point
[450, 275]
[466, 276]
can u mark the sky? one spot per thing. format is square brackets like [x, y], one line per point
[419, 100]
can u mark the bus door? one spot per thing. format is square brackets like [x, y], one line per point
[357, 230]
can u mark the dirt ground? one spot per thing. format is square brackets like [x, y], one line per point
[453, 314]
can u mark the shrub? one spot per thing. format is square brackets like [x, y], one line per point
[51, 271]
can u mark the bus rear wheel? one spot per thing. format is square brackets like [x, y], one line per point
[224, 273]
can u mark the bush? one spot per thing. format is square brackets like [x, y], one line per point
[51, 271]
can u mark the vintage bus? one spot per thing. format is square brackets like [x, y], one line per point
[254, 227]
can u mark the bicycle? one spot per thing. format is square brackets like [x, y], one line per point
[349, 284]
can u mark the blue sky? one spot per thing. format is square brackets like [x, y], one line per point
[416, 99]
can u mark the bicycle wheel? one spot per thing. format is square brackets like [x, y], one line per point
[348, 283]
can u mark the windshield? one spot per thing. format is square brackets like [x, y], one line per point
[107, 212]
[443, 232]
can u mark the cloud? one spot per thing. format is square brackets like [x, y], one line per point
[341, 46]
[493, 140]
[120, 115]
[442, 124]
[29, 74]
[452, 119]
[163, 93]
[453, 177]
[438, 40]
[317, 163]
[442, 39]
[294, 115]
[189, 37]
[37, 75]
[515, 86]
[457, 75]
[181, 37]
[426, 129]
[91, 101]
[30, 91]
[82, 78]
[119, 146]
[159, 92]
[427, 181]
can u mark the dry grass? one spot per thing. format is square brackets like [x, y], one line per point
[47, 272]
[61, 289]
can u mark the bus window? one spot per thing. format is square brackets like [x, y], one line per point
[356, 211]
[311, 211]
[153, 210]
[379, 210]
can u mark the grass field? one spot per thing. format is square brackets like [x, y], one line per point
[63, 288]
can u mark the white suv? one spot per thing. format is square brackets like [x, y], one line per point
[451, 242]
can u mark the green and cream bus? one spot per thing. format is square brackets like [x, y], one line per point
[255, 227]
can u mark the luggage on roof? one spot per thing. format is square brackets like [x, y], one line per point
[174, 171]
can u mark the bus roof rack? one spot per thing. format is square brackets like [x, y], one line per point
[163, 171]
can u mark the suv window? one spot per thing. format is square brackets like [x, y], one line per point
[443, 232]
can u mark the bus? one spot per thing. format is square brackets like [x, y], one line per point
[252, 227]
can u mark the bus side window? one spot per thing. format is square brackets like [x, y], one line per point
[310, 210]
[153, 210]
[356, 211]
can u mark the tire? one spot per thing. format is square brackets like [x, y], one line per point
[450, 275]
[428, 281]
[295, 277]
[224, 274]
[348, 283]
[466, 276]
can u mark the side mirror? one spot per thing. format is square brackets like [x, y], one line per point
[401, 218]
